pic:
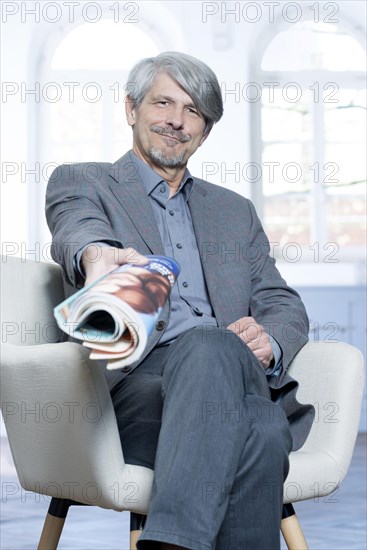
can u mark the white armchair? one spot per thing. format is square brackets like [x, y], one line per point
[62, 429]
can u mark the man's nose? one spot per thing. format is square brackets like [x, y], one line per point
[175, 119]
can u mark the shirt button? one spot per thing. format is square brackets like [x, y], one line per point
[160, 325]
[171, 212]
[185, 284]
[179, 245]
[126, 369]
[162, 189]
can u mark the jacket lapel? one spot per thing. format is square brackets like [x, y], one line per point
[125, 183]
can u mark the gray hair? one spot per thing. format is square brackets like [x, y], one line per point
[194, 77]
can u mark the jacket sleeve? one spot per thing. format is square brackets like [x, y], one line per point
[75, 214]
[273, 303]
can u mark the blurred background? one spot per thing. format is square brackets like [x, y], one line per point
[292, 138]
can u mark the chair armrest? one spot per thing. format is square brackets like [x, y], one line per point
[331, 377]
[61, 423]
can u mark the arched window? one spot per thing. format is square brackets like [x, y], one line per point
[312, 122]
[81, 115]
[90, 67]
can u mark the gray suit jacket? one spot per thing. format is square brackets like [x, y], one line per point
[106, 202]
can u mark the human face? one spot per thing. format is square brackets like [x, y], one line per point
[167, 127]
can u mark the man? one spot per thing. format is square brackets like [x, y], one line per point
[225, 340]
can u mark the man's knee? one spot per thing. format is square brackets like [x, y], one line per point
[209, 334]
[212, 343]
[217, 356]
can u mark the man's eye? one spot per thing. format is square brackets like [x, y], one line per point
[193, 111]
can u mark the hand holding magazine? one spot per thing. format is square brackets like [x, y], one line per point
[115, 314]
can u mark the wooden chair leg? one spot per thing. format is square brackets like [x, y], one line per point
[137, 522]
[291, 529]
[51, 533]
[54, 524]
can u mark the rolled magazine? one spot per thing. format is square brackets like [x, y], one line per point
[115, 315]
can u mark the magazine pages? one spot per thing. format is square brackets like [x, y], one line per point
[115, 314]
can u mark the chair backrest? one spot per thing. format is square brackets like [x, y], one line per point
[29, 292]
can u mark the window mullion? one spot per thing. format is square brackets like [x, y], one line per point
[255, 138]
[109, 128]
[319, 233]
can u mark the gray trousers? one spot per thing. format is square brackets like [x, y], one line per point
[199, 412]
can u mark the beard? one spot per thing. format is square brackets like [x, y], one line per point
[168, 158]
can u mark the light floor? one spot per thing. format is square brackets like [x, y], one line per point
[337, 522]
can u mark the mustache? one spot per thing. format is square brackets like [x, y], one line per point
[177, 134]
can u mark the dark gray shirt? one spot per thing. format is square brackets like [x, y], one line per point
[190, 305]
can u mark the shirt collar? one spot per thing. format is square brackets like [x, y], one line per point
[151, 179]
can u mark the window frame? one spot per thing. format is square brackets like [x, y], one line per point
[305, 79]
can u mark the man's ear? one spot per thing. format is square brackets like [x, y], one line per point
[130, 110]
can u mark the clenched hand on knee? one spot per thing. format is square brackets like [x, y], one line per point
[255, 337]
